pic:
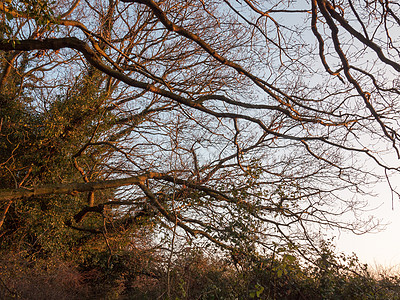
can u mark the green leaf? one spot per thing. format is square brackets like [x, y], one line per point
[9, 16]
[260, 290]
[279, 273]
[290, 258]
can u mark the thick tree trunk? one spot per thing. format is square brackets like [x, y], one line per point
[76, 187]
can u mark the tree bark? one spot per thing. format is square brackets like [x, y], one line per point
[76, 187]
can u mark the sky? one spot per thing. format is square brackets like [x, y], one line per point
[380, 248]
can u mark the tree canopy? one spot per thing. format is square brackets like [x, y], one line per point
[246, 124]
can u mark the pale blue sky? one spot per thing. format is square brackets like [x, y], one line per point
[380, 248]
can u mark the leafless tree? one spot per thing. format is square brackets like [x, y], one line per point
[232, 120]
